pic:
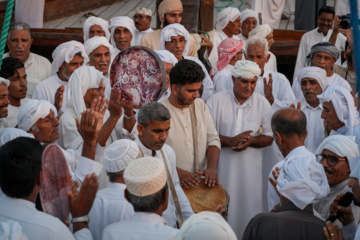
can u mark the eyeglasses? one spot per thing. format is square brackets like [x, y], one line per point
[331, 160]
[241, 52]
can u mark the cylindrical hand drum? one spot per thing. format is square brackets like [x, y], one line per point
[140, 74]
[205, 198]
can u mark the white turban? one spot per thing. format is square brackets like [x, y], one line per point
[125, 22]
[95, 21]
[355, 168]
[166, 56]
[4, 81]
[229, 14]
[343, 146]
[119, 155]
[83, 79]
[65, 53]
[8, 134]
[302, 181]
[246, 69]
[249, 13]
[205, 225]
[261, 31]
[32, 111]
[315, 73]
[11, 230]
[95, 42]
[173, 30]
[344, 105]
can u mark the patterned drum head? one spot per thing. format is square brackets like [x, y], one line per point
[140, 74]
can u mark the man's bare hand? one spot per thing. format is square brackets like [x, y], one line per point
[337, 24]
[211, 177]
[187, 179]
[273, 180]
[344, 214]
[332, 232]
[298, 106]
[207, 43]
[59, 96]
[268, 89]
[116, 103]
[241, 147]
[219, 209]
[74, 188]
[88, 127]
[240, 138]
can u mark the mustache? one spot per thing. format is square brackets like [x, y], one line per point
[309, 91]
[4, 106]
[329, 171]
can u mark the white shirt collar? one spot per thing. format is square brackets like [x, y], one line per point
[148, 217]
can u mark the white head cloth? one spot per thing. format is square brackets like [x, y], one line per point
[125, 22]
[32, 111]
[229, 14]
[83, 79]
[354, 164]
[11, 230]
[205, 225]
[302, 181]
[142, 10]
[166, 56]
[119, 154]
[94, 42]
[4, 81]
[8, 134]
[145, 176]
[173, 30]
[249, 13]
[246, 69]
[315, 73]
[343, 146]
[261, 31]
[95, 21]
[344, 105]
[65, 53]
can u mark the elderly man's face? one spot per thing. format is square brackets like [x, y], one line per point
[66, 69]
[355, 187]
[18, 84]
[142, 21]
[310, 88]
[96, 30]
[122, 37]
[48, 129]
[19, 44]
[337, 173]
[270, 39]
[100, 58]
[173, 17]
[176, 46]
[93, 93]
[4, 100]
[325, 22]
[331, 120]
[323, 60]
[233, 27]
[244, 88]
[247, 25]
[154, 135]
[256, 53]
[168, 67]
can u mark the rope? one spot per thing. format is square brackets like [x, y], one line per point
[231, 2]
[5, 28]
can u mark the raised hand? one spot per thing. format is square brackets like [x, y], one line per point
[59, 96]
[268, 89]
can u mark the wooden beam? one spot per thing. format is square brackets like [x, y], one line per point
[206, 16]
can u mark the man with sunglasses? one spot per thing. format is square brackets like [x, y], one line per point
[142, 19]
[334, 154]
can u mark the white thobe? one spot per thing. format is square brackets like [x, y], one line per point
[208, 90]
[342, 7]
[242, 38]
[37, 68]
[170, 213]
[343, 130]
[271, 12]
[140, 34]
[13, 112]
[334, 80]
[299, 152]
[311, 38]
[165, 94]
[223, 79]
[149, 226]
[110, 206]
[46, 90]
[271, 65]
[237, 169]
[36, 224]
[180, 128]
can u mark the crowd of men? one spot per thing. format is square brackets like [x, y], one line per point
[286, 154]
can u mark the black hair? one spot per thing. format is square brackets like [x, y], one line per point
[186, 72]
[9, 67]
[327, 9]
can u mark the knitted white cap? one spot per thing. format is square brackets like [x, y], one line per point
[141, 10]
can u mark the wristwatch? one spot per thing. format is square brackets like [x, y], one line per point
[81, 219]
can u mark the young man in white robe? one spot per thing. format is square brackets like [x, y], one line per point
[244, 128]
[67, 57]
[13, 70]
[142, 19]
[249, 21]
[122, 33]
[95, 26]
[19, 43]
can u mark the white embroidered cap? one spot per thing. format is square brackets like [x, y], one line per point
[141, 10]
[145, 176]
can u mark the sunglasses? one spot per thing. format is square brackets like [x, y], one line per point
[331, 160]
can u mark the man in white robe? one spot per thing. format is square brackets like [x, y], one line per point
[249, 21]
[271, 11]
[146, 189]
[95, 26]
[4, 99]
[19, 42]
[110, 205]
[142, 19]
[323, 33]
[244, 128]
[67, 57]
[14, 70]
[153, 126]
[122, 33]
[198, 153]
